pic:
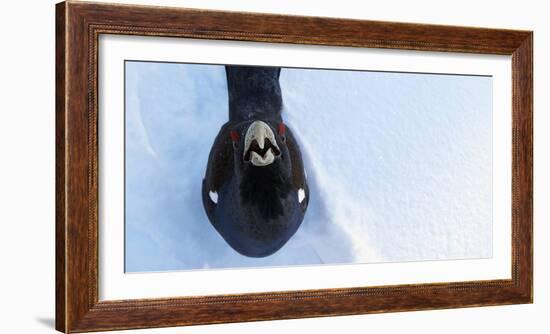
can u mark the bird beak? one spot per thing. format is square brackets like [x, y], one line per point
[260, 145]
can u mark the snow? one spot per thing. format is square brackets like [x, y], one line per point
[398, 165]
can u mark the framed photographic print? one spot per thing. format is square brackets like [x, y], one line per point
[222, 166]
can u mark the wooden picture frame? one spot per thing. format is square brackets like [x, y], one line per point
[78, 26]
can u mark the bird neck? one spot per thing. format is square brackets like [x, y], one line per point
[254, 92]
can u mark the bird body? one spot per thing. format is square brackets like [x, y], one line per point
[255, 192]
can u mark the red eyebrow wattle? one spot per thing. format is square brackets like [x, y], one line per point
[282, 129]
[234, 135]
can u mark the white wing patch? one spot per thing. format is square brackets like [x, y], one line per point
[301, 195]
[213, 196]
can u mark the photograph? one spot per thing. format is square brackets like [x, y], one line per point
[239, 166]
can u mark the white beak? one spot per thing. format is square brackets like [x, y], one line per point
[260, 132]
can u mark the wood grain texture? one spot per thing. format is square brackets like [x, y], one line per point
[78, 27]
[60, 181]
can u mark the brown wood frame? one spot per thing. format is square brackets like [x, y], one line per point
[78, 25]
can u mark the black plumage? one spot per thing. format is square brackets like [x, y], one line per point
[255, 192]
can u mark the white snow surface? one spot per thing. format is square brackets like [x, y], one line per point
[398, 165]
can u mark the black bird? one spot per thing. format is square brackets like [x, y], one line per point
[255, 191]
